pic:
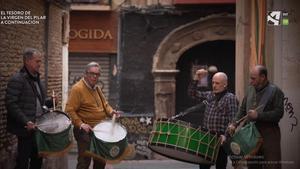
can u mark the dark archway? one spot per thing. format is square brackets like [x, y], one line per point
[176, 44]
[220, 53]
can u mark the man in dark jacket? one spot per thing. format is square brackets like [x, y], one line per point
[25, 97]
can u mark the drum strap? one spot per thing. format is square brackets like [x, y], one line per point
[102, 98]
[251, 98]
[37, 90]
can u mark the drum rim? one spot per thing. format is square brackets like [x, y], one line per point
[177, 148]
[189, 124]
[122, 140]
[59, 112]
[69, 127]
[180, 149]
[108, 120]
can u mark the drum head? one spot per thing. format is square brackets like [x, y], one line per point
[109, 132]
[53, 122]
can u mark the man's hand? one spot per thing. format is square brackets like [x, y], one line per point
[252, 114]
[200, 74]
[116, 113]
[231, 129]
[30, 125]
[87, 128]
[223, 139]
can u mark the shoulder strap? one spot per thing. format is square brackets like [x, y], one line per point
[266, 97]
[102, 99]
[36, 93]
[251, 98]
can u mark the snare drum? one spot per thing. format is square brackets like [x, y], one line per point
[180, 140]
[108, 142]
[245, 143]
[53, 134]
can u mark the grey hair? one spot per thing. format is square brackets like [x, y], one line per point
[92, 64]
[29, 52]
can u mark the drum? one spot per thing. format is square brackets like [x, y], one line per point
[244, 143]
[108, 142]
[180, 140]
[53, 134]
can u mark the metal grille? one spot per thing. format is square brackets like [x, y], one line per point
[77, 63]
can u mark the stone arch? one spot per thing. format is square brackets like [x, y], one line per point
[211, 28]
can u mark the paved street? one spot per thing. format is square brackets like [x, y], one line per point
[144, 164]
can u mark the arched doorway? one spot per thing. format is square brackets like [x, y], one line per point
[179, 41]
[220, 53]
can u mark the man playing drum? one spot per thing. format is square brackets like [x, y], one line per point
[87, 106]
[220, 109]
[263, 103]
[25, 97]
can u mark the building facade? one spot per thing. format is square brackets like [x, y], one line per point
[39, 24]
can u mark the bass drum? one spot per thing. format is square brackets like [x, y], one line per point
[181, 141]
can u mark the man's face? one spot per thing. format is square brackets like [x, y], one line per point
[256, 80]
[92, 76]
[218, 84]
[34, 63]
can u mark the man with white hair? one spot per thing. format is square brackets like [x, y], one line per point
[87, 107]
[220, 110]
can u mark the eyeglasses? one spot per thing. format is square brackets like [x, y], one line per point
[93, 74]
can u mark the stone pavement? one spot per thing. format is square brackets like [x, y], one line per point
[143, 164]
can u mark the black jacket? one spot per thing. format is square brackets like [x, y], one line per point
[21, 101]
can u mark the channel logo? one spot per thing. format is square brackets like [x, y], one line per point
[276, 18]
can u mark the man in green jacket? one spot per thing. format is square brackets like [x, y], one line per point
[263, 103]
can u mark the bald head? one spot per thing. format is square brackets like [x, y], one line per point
[219, 82]
[258, 76]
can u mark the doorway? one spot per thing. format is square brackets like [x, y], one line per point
[220, 53]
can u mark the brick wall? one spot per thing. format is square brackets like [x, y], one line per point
[55, 51]
[16, 37]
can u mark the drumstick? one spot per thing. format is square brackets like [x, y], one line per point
[53, 99]
[258, 107]
[243, 118]
[113, 124]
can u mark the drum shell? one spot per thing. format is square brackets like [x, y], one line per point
[244, 143]
[108, 150]
[53, 144]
